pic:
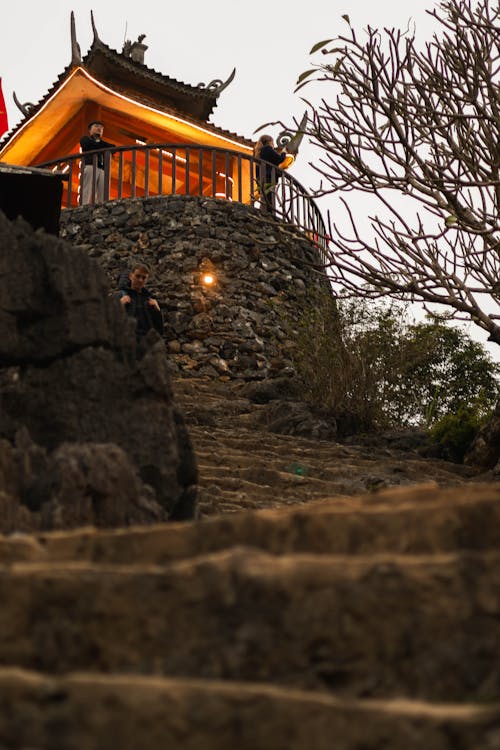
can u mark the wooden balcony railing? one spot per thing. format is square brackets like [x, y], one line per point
[170, 169]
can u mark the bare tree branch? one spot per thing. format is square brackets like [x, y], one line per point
[419, 131]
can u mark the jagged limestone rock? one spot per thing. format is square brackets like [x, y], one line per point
[69, 375]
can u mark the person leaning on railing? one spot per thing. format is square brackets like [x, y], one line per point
[265, 150]
[90, 143]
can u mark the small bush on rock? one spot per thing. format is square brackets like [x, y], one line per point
[454, 433]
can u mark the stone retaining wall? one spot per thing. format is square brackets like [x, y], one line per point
[240, 327]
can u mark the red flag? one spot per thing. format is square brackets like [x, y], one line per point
[4, 125]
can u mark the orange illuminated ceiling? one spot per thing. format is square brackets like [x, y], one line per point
[79, 90]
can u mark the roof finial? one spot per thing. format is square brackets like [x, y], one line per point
[25, 108]
[76, 55]
[135, 50]
[217, 85]
[290, 140]
[96, 35]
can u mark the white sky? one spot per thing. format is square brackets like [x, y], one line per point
[197, 41]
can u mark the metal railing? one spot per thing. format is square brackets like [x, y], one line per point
[170, 169]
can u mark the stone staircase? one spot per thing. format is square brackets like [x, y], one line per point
[243, 466]
[296, 614]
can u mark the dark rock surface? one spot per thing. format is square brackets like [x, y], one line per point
[89, 711]
[73, 394]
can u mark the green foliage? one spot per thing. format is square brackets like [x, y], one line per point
[454, 433]
[447, 370]
[371, 366]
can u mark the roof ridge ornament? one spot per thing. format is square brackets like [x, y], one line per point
[76, 54]
[217, 85]
[25, 108]
[291, 141]
[135, 50]
[94, 29]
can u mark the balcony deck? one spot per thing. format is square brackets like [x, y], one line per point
[170, 169]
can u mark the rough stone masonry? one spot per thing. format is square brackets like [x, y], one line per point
[240, 327]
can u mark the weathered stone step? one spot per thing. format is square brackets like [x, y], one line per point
[266, 479]
[325, 459]
[220, 497]
[378, 626]
[215, 501]
[417, 520]
[89, 711]
[245, 448]
[293, 471]
[260, 477]
[241, 439]
[234, 490]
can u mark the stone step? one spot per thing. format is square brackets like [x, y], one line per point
[243, 451]
[424, 627]
[241, 439]
[419, 520]
[215, 501]
[223, 492]
[87, 711]
[314, 458]
[260, 477]
[266, 479]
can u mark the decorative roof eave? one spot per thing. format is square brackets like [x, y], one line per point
[65, 100]
[211, 90]
[207, 127]
[205, 95]
[30, 109]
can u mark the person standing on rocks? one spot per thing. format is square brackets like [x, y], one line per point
[138, 302]
[89, 143]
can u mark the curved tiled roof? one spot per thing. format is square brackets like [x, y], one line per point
[143, 71]
[145, 84]
[35, 107]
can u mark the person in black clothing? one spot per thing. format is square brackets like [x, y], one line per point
[138, 302]
[90, 143]
[265, 150]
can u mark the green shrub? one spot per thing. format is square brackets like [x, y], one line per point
[374, 369]
[454, 433]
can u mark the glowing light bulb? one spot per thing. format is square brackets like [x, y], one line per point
[208, 279]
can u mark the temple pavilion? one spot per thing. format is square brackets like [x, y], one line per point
[163, 141]
[139, 107]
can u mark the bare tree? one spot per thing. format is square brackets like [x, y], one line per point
[426, 124]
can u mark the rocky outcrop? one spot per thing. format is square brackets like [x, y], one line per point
[81, 418]
[345, 607]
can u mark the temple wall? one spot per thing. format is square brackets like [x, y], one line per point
[239, 328]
